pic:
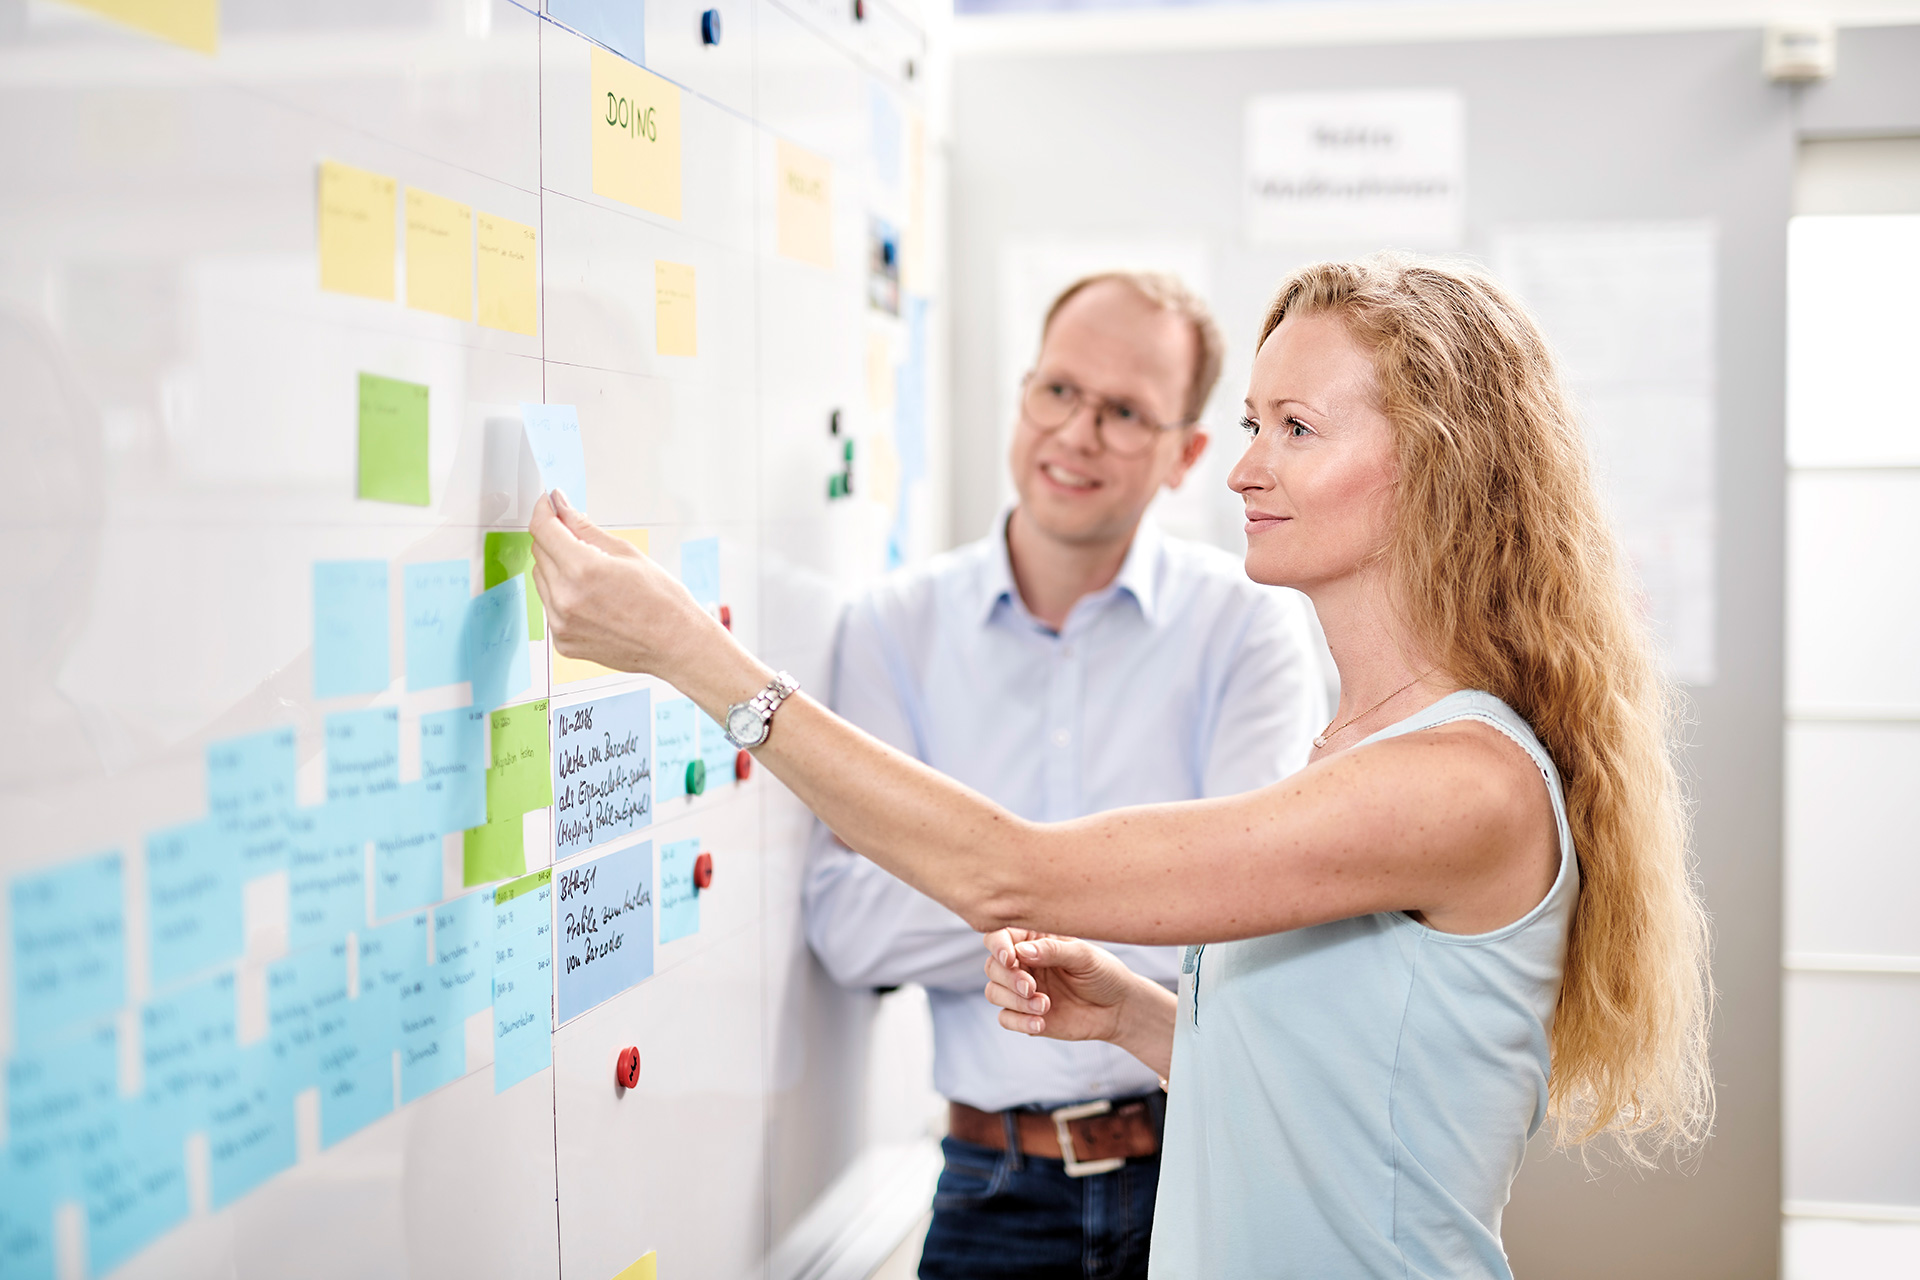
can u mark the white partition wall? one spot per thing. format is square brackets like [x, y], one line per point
[1852, 1016]
[300, 816]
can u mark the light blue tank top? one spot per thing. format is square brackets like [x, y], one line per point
[1354, 1099]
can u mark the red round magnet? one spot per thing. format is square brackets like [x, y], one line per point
[742, 765]
[726, 617]
[703, 871]
[626, 1070]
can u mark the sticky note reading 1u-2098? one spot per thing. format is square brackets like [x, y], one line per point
[602, 770]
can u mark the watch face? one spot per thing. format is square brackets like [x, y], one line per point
[744, 725]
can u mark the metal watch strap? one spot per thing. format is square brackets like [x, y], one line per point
[768, 700]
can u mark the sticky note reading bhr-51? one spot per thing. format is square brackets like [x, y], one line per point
[603, 927]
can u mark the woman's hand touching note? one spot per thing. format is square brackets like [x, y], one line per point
[1066, 989]
[605, 601]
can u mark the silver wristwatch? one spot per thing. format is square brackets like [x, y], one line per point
[749, 722]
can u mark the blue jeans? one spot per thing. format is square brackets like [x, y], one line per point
[1001, 1213]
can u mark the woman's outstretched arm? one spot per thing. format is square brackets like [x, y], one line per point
[1453, 823]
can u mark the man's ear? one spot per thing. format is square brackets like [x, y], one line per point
[1191, 448]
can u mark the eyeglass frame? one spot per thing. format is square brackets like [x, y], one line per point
[1101, 403]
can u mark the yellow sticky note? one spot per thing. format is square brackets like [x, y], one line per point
[192, 23]
[439, 255]
[803, 204]
[568, 670]
[673, 298]
[356, 231]
[879, 372]
[509, 278]
[636, 136]
[645, 1269]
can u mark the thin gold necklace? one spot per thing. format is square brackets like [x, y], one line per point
[1320, 739]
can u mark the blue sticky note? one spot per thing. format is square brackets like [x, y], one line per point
[496, 643]
[250, 1131]
[523, 920]
[390, 952]
[453, 765]
[349, 627]
[433, 1040]
[133, 1180]
[193, 902]
[250, 795]
[407, 868]
[673, 748]
[604, 938]
[436, 609]
[700, 569]
[620, 25]
[69, 946]
[53, 1092]
[717, 750]
[463, 951]
[522, 1021]
[363, 753]
[679, 900]
[299, 988]
[327, 877]
[26, 1218]
[354, 1051]
[602, 770]
[186, 1039]
[553, 433]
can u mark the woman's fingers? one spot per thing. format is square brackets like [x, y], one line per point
[1017, 986]
[1026, 1024]
[587, 531]
[1001, 942]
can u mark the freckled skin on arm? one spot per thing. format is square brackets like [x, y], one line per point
[1453, 823]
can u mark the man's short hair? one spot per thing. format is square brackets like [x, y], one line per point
[1169, 293]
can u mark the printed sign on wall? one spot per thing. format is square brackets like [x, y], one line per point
[1367, 170]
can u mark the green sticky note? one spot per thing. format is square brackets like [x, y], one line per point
[521, 776]
[508, 892]
[508, 555]
[393, 440]
[496, 851]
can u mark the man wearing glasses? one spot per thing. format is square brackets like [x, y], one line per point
[1076, 660]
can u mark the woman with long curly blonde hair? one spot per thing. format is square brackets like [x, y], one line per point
[1469, 916]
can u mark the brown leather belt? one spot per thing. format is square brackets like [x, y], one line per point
[1093, 1137]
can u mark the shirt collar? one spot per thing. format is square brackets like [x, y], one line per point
[1139, 573]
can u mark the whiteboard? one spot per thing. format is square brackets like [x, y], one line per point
[298, 978]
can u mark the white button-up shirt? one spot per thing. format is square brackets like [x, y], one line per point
[1179, 681]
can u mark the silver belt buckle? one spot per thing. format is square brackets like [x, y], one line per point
[1077, 1168]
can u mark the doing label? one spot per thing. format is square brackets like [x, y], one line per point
[636, 120]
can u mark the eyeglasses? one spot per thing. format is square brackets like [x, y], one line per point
[1121, 426]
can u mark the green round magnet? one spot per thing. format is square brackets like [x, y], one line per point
[696, 777]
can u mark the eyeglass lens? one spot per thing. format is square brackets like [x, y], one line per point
[1051, 402]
